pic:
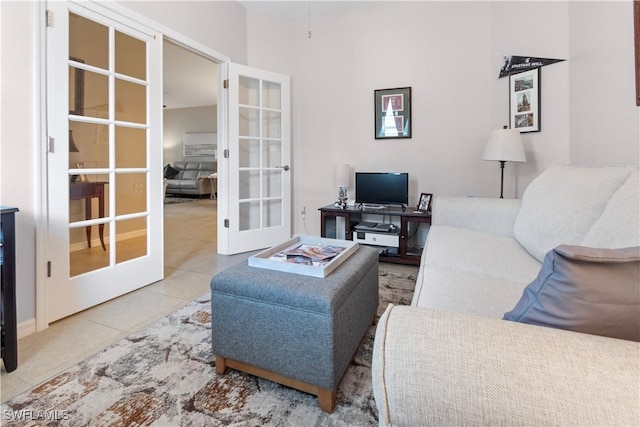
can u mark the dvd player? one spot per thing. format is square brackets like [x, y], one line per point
[375, 227]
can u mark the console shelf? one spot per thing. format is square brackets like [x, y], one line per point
[408, 251]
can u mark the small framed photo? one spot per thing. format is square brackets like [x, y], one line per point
[424, 204]
[392, 113]
[524, 101]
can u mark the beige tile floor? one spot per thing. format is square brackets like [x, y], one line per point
[190, 260]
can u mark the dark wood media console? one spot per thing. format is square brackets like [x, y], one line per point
[8, 288]
[409, 251]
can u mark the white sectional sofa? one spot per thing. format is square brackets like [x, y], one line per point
[450, 359]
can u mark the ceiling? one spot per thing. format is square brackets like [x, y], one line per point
[190, 80]
[299, 10]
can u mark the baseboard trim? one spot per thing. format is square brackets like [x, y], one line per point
[26, 328]
[78, 246]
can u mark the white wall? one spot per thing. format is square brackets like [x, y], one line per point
[450, 54]
[427, 46]
[605, 129]
[219, 25]
[178, 121]
[17, 136]
[537, 29]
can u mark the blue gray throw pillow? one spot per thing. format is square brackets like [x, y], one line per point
[170, 172]
[581, 289]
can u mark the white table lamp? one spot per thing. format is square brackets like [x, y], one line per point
[505, 145]
[341, 174]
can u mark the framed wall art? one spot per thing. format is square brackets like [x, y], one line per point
[524, 101]
[392, 113]
[81, 177]
[76, 89]
[197, 144]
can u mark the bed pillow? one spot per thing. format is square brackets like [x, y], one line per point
[170, 172]
[582, 289]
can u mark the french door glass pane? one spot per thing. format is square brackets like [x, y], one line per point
[249, 153]
[271, 95]
[272, 124]
[249, 122]
[272, 184]
[249, 215]
[83, 258]
[103, 149]
[271, 154]
[130, 56]
[249, 91]
[90, 147]
[131, 147]
[249, 184]
[135, 245]
[272, 213]
[260, 146]
[88, 41]
[88, 93]
[131, 102]
[131, 193]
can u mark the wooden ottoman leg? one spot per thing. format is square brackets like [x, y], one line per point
[327, 399]
[221, 365]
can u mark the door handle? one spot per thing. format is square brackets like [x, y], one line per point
[285, 167]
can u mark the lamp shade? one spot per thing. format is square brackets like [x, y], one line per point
[505, 145]
[341, 175]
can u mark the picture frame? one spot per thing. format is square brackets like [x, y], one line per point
[392, 113]
[76, 89]
[82, 177]
[524, 101]
[200, 144]
[424, 203]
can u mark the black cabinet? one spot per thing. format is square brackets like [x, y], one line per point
[8, 288]
[409, 249]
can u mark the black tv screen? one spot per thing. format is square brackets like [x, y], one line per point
[382, 188]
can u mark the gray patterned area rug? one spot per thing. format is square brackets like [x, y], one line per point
[164, 375]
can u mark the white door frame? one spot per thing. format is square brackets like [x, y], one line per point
[41, 153]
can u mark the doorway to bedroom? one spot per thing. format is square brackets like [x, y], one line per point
[190, 112]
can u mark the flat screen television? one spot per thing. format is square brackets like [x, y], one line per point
[382, 188]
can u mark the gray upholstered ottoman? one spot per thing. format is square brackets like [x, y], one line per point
[297, 330]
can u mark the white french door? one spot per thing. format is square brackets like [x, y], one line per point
[104, 121]
[257, 209]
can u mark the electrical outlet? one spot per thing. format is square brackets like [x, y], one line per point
[303, 212]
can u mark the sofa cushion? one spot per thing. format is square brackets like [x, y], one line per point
[563, 203]
[196, 166]
[487, 254]
[170, 172]
[619, 225]
[472, 272]
[595, 291]
[465, 292]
